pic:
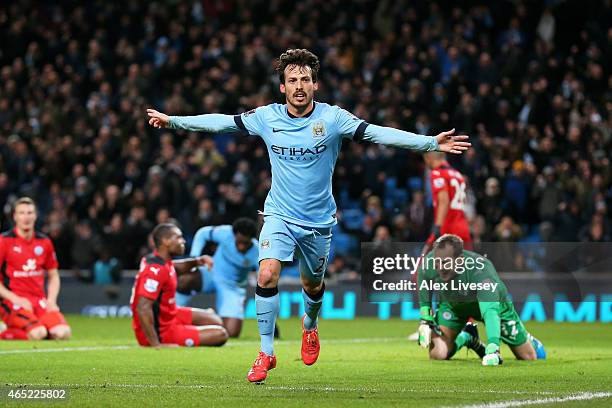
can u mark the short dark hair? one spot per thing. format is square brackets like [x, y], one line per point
[161, 232]
[449, 239]
[23, 200]
[299, 57]
[245, 226]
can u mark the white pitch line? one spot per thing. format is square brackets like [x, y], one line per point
[583, 396]
[64, 349]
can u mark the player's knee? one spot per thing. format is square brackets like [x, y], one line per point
[529, 354]
[62, 332]
[220, 338]
[38, 333]
[311, 287]
[215, 319]
[438, 350]
[437, 353]
[233, 332]
[267, 278]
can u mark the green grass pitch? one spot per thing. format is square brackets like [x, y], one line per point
[365, 362]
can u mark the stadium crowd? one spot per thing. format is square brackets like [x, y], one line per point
[527, 80]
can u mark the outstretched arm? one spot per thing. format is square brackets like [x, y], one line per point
[211, 122]
[183, 266]
[443, 142]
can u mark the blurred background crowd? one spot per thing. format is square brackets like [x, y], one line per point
[527, 80]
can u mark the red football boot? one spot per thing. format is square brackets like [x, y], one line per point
[310, 345]
[261, 366]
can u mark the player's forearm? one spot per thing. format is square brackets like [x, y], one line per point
[183, 266]
[5, 293]
[442, 212]
[53, 288]
[145, 316]
[399, 138]
[424, 294]
[492, 323]
[210, 123]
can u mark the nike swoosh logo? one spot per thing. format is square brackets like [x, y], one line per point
[275, 130]
[259, 314]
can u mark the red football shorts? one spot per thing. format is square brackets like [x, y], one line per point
[180, 332]
[23, 319]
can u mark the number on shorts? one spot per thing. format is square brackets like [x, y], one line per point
[323, 261]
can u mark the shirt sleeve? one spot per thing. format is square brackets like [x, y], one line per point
[350, 126]
[252, 121]
[424, 275]
[209, 123]
[51, 258]
[203, 235]
[399, 138]
[151, 282]
[490, 315]
[438, 182]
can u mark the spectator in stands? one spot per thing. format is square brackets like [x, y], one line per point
[533, 89]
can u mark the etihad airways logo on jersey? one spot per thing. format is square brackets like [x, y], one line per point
[298, 153]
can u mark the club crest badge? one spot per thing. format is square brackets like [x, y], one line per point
[318, 129]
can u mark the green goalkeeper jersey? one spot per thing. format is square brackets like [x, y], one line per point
[476, 291]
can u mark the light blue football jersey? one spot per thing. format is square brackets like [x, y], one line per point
[303, 154]
[230, 265]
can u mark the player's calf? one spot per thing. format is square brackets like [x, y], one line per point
[269, 272]
[532, 349]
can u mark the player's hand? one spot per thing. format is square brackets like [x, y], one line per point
[493, 357]
[424, 335]
[426, 328]
[52, 307]
[205, 260]
[448, 143]
[23, 303]
[157, 119]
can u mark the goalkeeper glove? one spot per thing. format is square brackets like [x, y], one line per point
[427, 326]
[492, 356]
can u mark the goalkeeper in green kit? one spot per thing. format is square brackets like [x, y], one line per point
[467, 286]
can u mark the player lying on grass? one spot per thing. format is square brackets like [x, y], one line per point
[303, 140]
[156, 318]
[447, 269]
[235, 256]
[25, 256]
